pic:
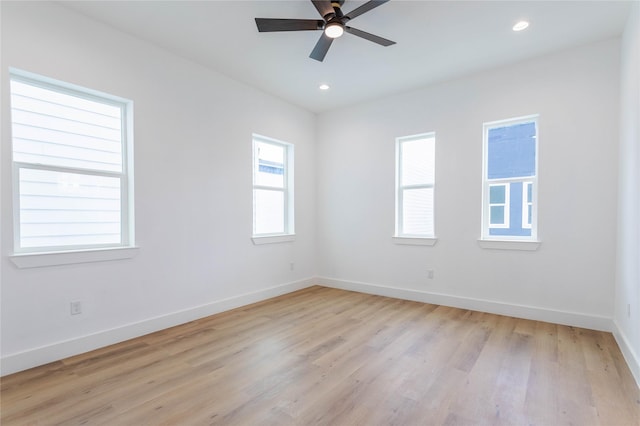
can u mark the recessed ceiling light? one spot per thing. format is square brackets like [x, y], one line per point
[323, 87]
[520, 26]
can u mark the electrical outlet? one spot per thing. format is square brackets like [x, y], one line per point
[76, 308]
[430, 274]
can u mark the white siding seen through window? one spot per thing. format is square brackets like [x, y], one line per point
[71, 176]
[415, 186]
[272, 187]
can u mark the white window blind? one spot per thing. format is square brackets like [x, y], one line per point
[70, 167]
[415, 185]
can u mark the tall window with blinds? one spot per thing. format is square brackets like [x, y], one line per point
[71, 167]
[415, 186]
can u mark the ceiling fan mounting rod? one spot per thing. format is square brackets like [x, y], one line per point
[336, 14]
[337, 11]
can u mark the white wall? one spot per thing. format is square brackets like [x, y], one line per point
[192, 193]
[569, 279]
[627, 294]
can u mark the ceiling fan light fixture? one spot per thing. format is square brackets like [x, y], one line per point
[522, 25]
[333, 30]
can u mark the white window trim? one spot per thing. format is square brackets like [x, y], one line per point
[507, 200]
[415, 241]
[50, 256]
[273, 239]
[38, 260]
[400, 237]
[287, 190]
[522, 245]
[511, 242]
[525, 205]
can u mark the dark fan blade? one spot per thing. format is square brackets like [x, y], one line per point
[370, 37]
[324, 8]
[269, 25]
[364, 8]
[322, 47]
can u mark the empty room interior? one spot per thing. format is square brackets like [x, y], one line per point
[305, 212]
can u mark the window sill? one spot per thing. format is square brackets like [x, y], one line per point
[509, 245]
[38, 260]
[415, 241]
[273, 239]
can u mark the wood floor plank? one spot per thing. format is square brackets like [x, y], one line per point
[541, 401]
[324, 356]
[576, 403]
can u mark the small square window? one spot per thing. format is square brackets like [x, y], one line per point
[498, 206]
[498, 194]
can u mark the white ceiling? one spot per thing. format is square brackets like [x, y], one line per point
[436, 40]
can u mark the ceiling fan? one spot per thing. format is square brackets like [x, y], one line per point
[333, 24]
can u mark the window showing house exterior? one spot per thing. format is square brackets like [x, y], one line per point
[510, 179]
[72, 172]
[415, 186]
[272, 187]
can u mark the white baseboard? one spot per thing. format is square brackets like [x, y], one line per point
[38, 356]
[593, 322]
[632, 358]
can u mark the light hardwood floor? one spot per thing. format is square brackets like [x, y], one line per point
[332, 357]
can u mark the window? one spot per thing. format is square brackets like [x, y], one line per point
[71, 167]
[510, 177]
[272, 187]
[498, 206]
[415, 186]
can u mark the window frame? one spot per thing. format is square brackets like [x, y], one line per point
[287, 190]
[525, 205]
[65, 254]
[507, 213]
[486, 183]
[400, 237]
